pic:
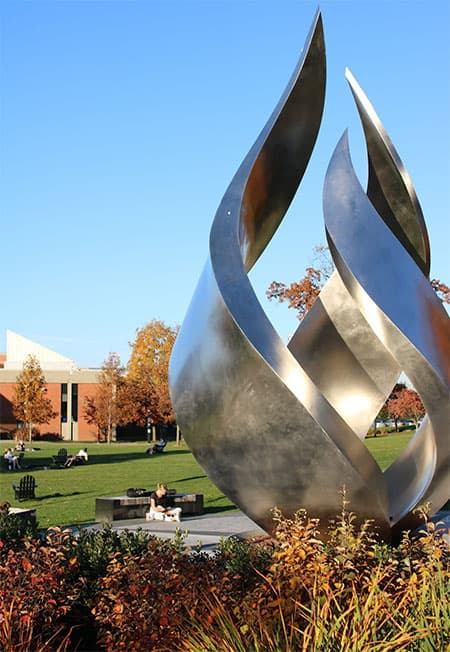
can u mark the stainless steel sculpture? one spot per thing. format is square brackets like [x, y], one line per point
[283, 426]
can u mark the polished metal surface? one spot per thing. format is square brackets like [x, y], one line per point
[283, 426]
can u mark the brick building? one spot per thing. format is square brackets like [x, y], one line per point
[67, 386]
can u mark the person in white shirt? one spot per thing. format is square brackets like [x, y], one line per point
[80, 458]
[12, 460]
[82, 455]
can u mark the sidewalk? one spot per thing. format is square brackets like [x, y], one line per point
[203, 531]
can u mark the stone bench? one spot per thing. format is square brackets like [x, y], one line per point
[26, 514]
[118, 508]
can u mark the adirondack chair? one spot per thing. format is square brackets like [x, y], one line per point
[157, 448]
[25, 489]
[61, 457]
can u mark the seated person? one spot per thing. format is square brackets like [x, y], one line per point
[156, 448]
[82, 455]
[80, 458]
[160, 508]
[20, 446]
[12, 460]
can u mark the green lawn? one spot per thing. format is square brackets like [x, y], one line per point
[67, 496]
[385, 449]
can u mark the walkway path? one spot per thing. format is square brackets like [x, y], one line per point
[203, 531]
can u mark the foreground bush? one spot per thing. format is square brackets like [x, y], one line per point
[121, 591]
[350, 593]
[149, 603]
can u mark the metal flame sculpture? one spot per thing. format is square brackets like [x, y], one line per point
[276, 425]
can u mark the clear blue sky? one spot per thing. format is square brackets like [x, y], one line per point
[122, 124]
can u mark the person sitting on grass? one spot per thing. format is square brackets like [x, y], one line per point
[80, 458]
[160, 508]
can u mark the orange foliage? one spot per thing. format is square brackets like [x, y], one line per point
[146, 389]
[300, 296]
[406, 404]
[442, 290]
[29, 403]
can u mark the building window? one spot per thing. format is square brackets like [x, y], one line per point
[63, 402]
[75, 402]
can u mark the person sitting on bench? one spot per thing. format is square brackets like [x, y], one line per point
[160, 508]
[12, 460]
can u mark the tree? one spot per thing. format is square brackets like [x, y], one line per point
[146, 389]
[302, 294]
[103, 409]
[385, 412]
[30, 404]
[407, 404]
[442, 290]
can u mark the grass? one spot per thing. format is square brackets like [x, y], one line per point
[386, 448]
[67, 496]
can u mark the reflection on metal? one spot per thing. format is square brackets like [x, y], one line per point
[283, 426]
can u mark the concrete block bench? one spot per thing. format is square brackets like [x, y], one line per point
[118, 508]
[27, 514]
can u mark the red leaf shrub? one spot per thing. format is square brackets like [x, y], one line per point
[37, 591]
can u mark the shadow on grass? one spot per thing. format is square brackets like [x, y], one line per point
[194, 477]
[43, 462]
[59, 495]
[131, 457]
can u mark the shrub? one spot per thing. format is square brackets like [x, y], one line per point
[150, 602]
[38, 588]
[242, 559]
[46, 436]
[348, 593]
[95, 549]
[105, 590]
[144, 602]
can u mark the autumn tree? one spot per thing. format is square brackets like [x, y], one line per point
[146, 389]
[442, 290]
[30, 405]
[385, 412]
[407, 404]
[301, 295]
[103, 409]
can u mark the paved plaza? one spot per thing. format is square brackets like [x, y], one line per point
[203, 531]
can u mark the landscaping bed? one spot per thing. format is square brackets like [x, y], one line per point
[104, 590]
